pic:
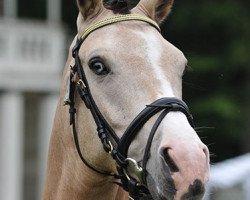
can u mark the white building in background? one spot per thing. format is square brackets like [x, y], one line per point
[230, 179]
[32, 57]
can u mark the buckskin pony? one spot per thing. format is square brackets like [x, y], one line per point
[121, 129]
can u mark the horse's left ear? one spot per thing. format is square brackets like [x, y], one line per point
[156, 9]
[89, 8]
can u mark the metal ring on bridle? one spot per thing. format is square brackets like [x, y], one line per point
[81, 83]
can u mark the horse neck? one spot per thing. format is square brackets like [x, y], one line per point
[67, 176]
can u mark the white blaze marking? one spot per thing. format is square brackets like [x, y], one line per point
[154, 51]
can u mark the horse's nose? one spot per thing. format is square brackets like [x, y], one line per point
[188, 165]
[176, 156]
[169, 160]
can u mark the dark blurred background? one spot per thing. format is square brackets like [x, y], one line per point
[214, 35]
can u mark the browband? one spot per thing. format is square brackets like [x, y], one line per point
[115, 19]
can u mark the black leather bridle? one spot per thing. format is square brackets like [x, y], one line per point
[129, 171]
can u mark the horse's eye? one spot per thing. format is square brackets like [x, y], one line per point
[98, 67]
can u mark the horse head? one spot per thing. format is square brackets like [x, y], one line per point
[128, 65]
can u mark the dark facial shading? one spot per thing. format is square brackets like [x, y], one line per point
[168, 185]
[117, 6]
[195, 191]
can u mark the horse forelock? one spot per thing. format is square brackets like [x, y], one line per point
[118, 6]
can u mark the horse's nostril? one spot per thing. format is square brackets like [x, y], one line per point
[206, 152]
[169, 161]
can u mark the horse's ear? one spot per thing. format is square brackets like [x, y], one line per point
[156, 9]
[89, 8]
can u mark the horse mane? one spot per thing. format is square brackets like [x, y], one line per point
[118, 6]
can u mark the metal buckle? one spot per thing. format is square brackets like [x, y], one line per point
[133, 170]
[111, 148]
[81, 84]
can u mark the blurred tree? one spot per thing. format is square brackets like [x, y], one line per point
[69, 14]
[32, 9]
[215, 37]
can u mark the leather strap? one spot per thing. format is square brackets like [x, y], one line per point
[170, 104]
